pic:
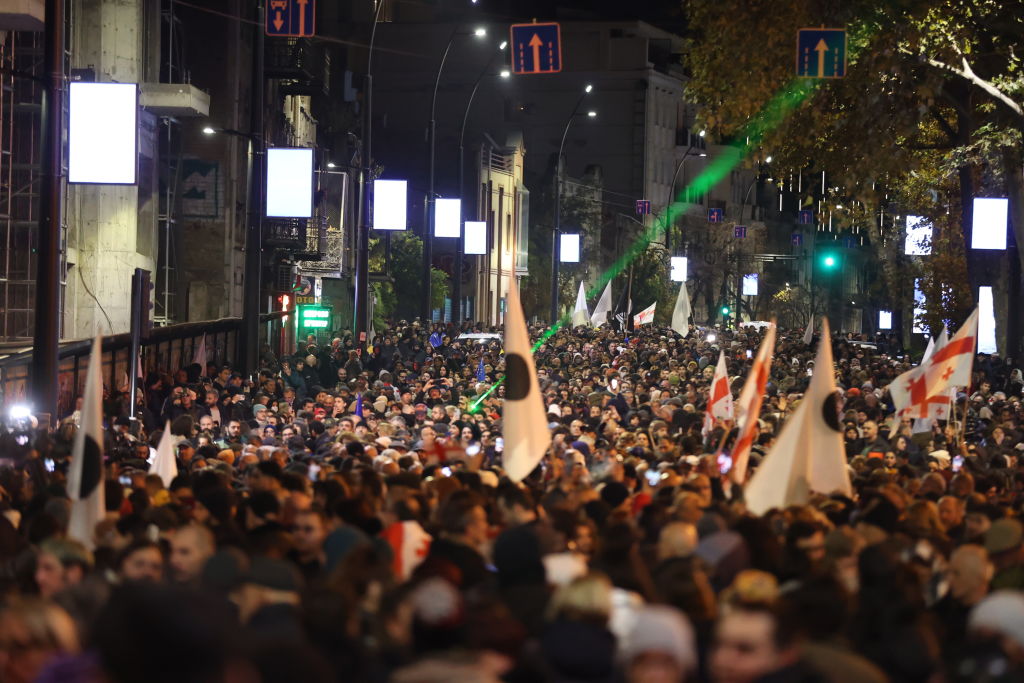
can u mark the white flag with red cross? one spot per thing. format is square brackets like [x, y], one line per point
[948, 367]
[720, 400]
[748, 407]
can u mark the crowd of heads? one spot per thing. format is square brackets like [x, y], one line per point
[343, 514]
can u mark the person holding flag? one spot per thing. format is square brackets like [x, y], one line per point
[808, 455]
[719, 405]
[748, 406]
[646, 316]
[527, 436]
[85, 477]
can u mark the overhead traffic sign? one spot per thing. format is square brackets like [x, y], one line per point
[536, 48]
[716, 215]
[291, 18]
[643, 206]
[805, 217]
[821, 53]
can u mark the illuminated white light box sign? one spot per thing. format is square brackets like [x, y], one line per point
[569, 249]
[750, 284]
[289, 182]
[390, 204]
[447, 217]
[986, 321]
[919, 236]
[989, 223]
[919, 303]
[475, 238]
[677, 268]
[103, 133]
[885, 320]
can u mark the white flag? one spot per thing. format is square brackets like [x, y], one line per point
[524, 422]
[580, 316]
[748, 406]
[164, 463]
[809, 454]
[681, 312]
[199, 355]
[85, 477]
[809, 332]
[646, 316]
[604, 306]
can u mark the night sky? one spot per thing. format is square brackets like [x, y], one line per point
[667, 14]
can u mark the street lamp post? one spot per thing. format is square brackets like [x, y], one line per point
[46, 334]
[362, 283]
[428, 223]
[250, 337]
[672, 193]
[739, 274]
[556, 250]
[457, 296]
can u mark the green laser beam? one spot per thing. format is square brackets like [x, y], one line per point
[770, 116]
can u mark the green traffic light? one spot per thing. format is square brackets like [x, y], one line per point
[830, 261]
[725, 310]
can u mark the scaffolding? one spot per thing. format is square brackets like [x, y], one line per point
[21, 95]
[165, 307]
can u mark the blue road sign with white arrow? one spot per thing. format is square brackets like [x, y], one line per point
[821, 53]
[536, 48]
[291, 18]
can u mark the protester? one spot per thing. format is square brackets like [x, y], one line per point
[347, 514]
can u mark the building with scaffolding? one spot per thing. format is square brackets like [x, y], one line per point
[185, 218]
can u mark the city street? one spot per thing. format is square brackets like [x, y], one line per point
[508, 340]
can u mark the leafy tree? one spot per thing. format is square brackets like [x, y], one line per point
[393, 299]
[928, 115]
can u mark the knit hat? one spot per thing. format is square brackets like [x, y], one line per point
[1001, 612]
[1003, 535]
[664, 630]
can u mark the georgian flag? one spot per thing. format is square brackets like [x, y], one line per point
[748, 406]
[646, 316]
[720, 401]
[85, 476]
[525, 424]
[916, 391]
[809, 455]
[409, 545]
[899, 389]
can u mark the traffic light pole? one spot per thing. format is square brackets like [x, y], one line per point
[46, 336]
[249, 339]
[140, 322]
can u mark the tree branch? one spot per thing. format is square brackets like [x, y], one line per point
[945, 125]
[967, 73]
[922, 146]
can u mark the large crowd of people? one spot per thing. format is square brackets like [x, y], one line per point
[345, 516]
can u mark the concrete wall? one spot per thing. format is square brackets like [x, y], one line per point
[111, 229]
